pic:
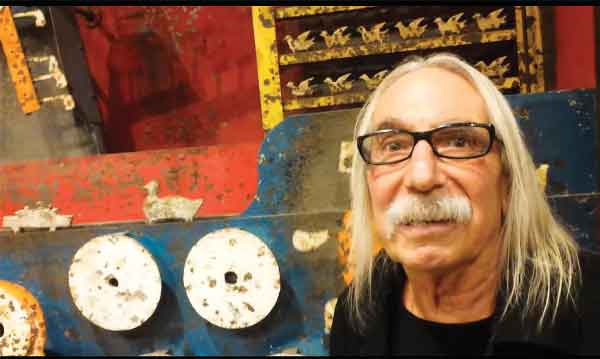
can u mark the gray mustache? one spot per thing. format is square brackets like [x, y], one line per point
[413, 209]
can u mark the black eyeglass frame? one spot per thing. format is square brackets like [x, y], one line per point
[426, 135]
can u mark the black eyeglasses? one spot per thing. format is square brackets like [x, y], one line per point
[455, 140]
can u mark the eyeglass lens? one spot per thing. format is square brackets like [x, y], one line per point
[452, 142]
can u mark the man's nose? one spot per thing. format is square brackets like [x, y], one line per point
[422, 168]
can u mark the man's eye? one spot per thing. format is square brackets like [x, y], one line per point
[395, 145]
[458, 141]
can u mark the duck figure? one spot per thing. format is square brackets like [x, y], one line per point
[171, 207]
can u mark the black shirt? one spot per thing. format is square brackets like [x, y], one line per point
[415, 336]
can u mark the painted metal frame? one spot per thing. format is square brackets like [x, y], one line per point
[526, 34]
[16, 61]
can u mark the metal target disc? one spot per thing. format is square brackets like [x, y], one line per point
[115, 282]
[231, 278]
[16, 327]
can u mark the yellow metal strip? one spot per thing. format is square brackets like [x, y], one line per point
[269, 86]
[535, 51]
[17, 65]
[297, 11]
[395, 46]
[521, 47]
[360, 97]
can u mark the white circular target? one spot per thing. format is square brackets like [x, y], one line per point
[231, 278]
[115, 282]
[16, 326]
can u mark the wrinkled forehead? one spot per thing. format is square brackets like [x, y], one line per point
[427, 98]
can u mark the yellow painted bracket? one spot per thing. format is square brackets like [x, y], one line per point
[263, 22]
[17, 65]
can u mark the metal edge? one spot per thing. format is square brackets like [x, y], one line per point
[263, 23]
[298, 11]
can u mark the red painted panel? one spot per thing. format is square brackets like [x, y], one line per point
[174, 76]
[108, 188]
[575, 47]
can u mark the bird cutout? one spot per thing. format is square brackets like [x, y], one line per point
[336, 38]
[340, 85]
[304, 88]
[372, 82]
[495, 68]
[412, 30]
[300, 43]
[375, 34]
[341, 38]
[171, 207]
[452, 25]
[491, 21]
[542, 175]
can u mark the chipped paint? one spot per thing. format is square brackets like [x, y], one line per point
[15, 59]
[309, 241]
[346, 155]
[268, 70]
[231, 278]
[115, 282]
[542, 175]
[328, 312]
[170, 207]
[108, 188]
[39, 217]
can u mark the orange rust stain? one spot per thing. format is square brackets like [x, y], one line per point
[344, 238]
[34, 313]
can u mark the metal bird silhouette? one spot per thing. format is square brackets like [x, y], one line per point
[303, 88]
[412, 30]
[374, 34]
[300, 43]
[491, 21]
[452, 25]
[340, 84]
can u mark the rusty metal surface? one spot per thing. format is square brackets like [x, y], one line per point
[17, 64]
[40, 262]
[535, 49]
[266, 60]
[110, 188]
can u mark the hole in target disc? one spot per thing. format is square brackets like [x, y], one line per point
[230, 277]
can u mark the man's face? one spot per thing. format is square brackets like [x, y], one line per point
[420, 101]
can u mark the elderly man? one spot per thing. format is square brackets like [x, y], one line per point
[473, 262]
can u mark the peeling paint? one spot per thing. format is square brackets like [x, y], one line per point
[309, 241]
[346, 155]
[328, 312]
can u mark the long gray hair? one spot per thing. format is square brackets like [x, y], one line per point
[539, 262]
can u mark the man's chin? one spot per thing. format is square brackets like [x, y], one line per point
[425, 257]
